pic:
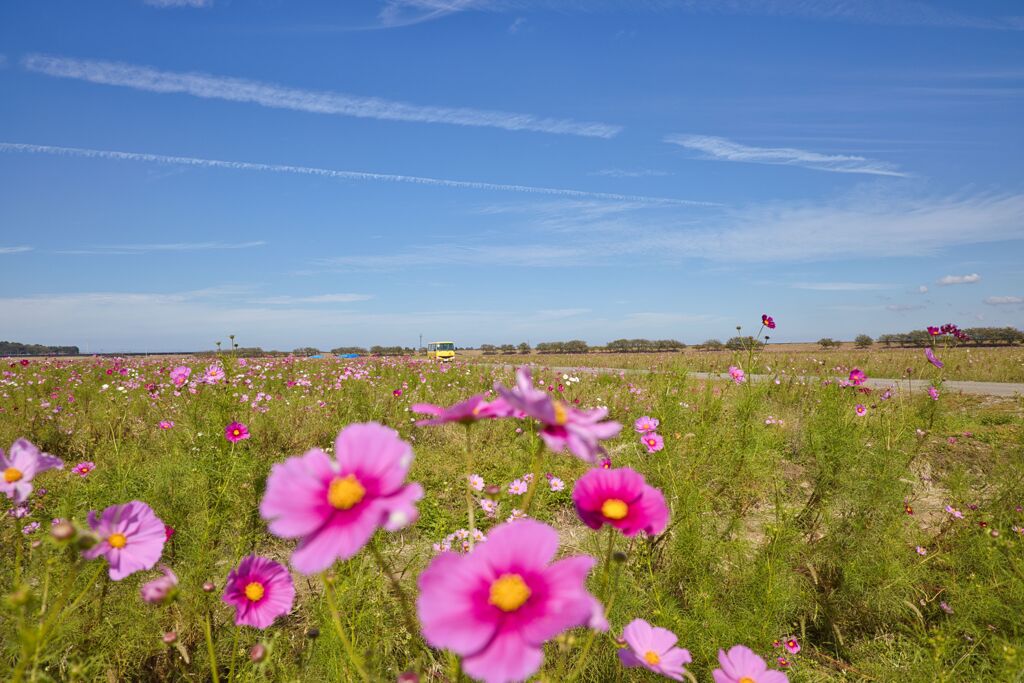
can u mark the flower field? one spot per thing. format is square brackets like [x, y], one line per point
[395, 519]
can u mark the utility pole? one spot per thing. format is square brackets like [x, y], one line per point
[421, 342]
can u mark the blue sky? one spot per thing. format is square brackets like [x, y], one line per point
[492, 171]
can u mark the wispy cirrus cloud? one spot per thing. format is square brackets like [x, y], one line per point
[14, 250]
[903, 308]
[314, 299]
[341, 175]
[1004, 300]
[178, 3]
[842, 286]
[135, 249]
[629, 173]
[723, 149]
[281, 97]
[960, 279]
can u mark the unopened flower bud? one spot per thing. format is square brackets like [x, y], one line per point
[170, 637]
[258, 652]
[209, 587]
[62, 531]
[408, 677]
[312, 632]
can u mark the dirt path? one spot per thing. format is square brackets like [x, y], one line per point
[1009, 389]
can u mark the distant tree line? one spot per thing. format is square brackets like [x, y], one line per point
[9, 348]
[504, 349]
[644, 345]
[572, 346]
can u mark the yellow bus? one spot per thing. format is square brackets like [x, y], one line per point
[442, 350]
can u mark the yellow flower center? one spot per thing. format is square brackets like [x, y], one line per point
[117, 540]
[652, 658]
[747, 679]
[561, 414]
[254, 591]
[236, 432]
[509, 592]
[345, 492]
[613, 508]
[12, 474]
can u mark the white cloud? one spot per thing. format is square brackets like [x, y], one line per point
[629, 173]
[842, 286]
[14, 250]
[341, 175]
[723, 149]
[960, 279]
[315, 299]
[136, 249]
[281, 97]
[923, 289]
[902, 308]
[1004, 300]
[178, 3]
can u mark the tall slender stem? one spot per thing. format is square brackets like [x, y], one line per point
[234, 655]
[538, 461]
[353, 657]
[209, 649]
[603, 594]
[403, 598]
[470, 503]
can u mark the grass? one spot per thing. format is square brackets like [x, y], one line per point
[798, 528]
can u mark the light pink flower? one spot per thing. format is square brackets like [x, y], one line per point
[737, 374]
[653, 648]
[336, 504]
[933, 393]
[930, 355]
[260, 590]
[18, 469]
[497, 605]
[472, 409]
[83, 469]
[131, 537]
[562, 425]
[160, 589]
[741, 665]
[180, 375]
[653, 441]
[621, 498]
[792, 645]
[646, 424]
[860, 410]
[166, 424]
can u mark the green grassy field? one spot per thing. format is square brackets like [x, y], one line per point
[790, 515]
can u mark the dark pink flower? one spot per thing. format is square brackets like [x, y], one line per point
[562, 425]
[857, 377]
[465, 412]
[83, 469]
[621, 498]
[930, 355]
[653, 648]
[741, 665]
[767, 321]
[131, 537]
[22, 465]
[934, 331]
[235, 432]
[792, 645]
[646, 424]
[336, 504]
[497, 605]
[260, 590]
[653, 441]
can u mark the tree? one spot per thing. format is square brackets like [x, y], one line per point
[524, 347]
[863, 341]
[507, 349]
[489, 349]
[712, 345]
[306, 351]
[349, 349]
[827, 342]
[741, 343]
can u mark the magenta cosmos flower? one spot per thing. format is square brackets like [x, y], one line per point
[563, 426]
[737, 374]
[860, 410]
[930, 355]
[161, 589]
[465, 412]
[857, 377]
[18, 469]
[180, 375]
[768, 321]
[235, 432]
[741, 665]
[646, 424]
[653, 441]
[131, 537]
[83, 469]
[933, 393]
[497, 605]
[653, 648]
[622, 498]
[260, 590]
[336, 504]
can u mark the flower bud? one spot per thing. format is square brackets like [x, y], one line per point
[257, 653]
[170, 637]
[209, 587]
[312, 632]
[62, 531]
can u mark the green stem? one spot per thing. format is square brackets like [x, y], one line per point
[353, 657]
[592, 636]
[234, 655]
[403, 598]
[538, 462]
[209, 649]
[19, 540]
[470, 502]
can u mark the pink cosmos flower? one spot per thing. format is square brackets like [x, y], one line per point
[934, 393]
[653, 648]
[476, 482]
[563, 426]
[161, 589]
[646, 424]
[737, 374]
[166, 424]
[19, 469]
[180, 375]
[653, 441]
[214, 374]
[83, 469]
[235, 432]
[621, 498]
[497, 605]
[767, 321]
[930, 355]
[741, 665]
[857, 377]
[792, 645]
[860, 410]
[934, 331]
[131, 537]
[336, 504]
[260, 590]
[465, 412]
